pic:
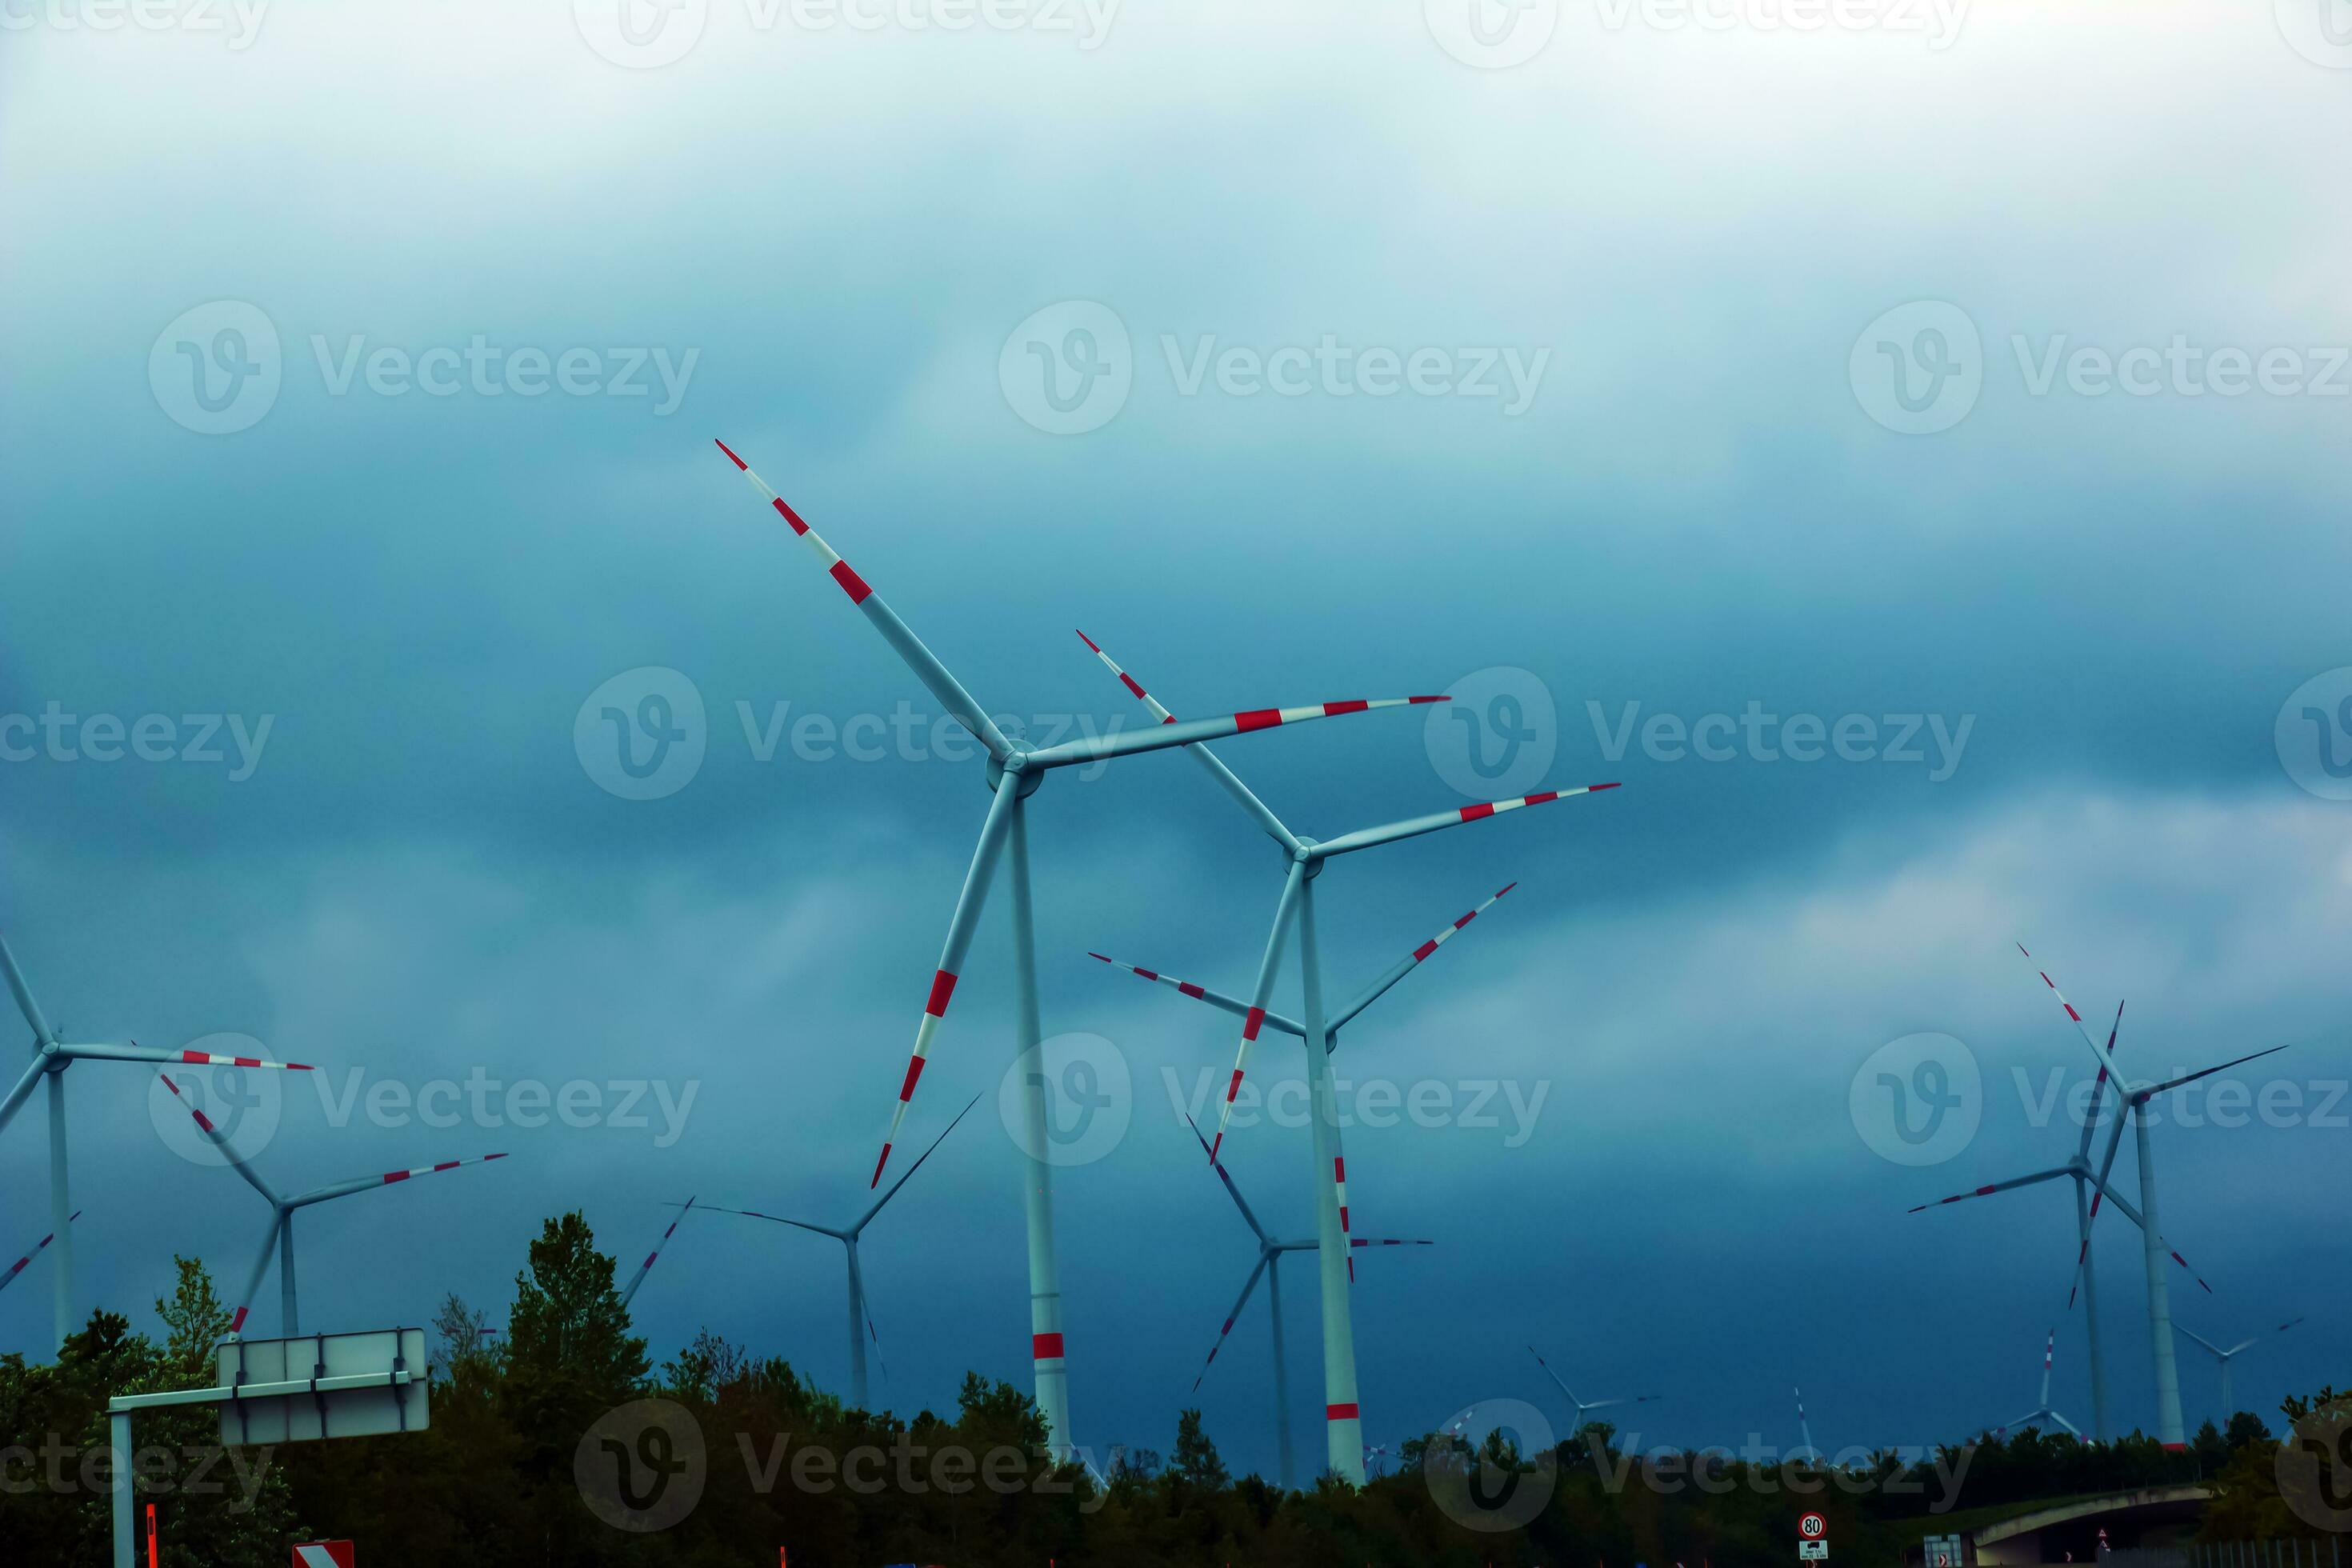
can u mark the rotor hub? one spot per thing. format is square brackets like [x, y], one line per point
[1031, 778]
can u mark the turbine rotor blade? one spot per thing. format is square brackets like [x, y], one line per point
[1283, 914]
[1556, 1378]
[1232, 1191]
[369, 1183]
[886, 1197]
[1189, 731]
[2143, 1095]
[39, 1069]
[2108, 1071]
[779, 1219]
[1239, 1302]
[10, 1273]
[961, 926]
[23, 994]
[220, 1140]
[1991, 1187]
[132, 1051]
[1365, 838]
[260, 1267]
[1258, 810]
[935, 676]
[645, 1267]
[1411, 962]
[2098, 1090]
[1232, 1005]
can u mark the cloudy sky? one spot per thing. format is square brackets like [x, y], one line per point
[1552, 358]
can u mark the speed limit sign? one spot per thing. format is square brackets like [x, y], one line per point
[1812, 1526]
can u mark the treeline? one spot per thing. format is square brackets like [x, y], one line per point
[557, 1442]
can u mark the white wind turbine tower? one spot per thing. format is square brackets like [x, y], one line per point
[280, 1237]
[1269, 1262]
[51, 1057]
[861, 1320]
[2035, 1416]
[1304, 859]
[2223, 1357]
[1805, 1429]
[1013, 771]
[1583, 1405]
[8, 1276]
[2153, 1247]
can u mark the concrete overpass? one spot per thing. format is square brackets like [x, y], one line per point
[2155, 1516]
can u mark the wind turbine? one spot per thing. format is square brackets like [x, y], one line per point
[1584, 1404]
[51, 1057]
[1013, 771]
[2086, 1196]
[629, 1292]
[2035, 1417]
[1269, 1261]
[8, 1277]
[1805, 1430]
[2229, 1406]
[1305, 859]
[280, 1236]
[2153, 1247]
[861, 1321]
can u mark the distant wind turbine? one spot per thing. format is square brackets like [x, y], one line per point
[280, 1236]
[1269, 1260]
[2154, 1247]
[1584, 1405]
[2229, 1406]
[2043, 1412]
[51, 1057]
[861, 1319]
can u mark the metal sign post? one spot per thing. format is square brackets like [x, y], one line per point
[288, 1391]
